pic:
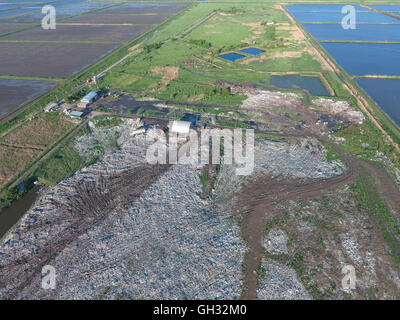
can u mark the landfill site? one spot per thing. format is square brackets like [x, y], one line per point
[122, 228]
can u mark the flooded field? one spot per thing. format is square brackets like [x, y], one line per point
[320, 7]
[14, 12]
[8, 27]
[336, 17]
[387, 7]
[43, 60]
[62, 12]
[363, 32]
[146, 8]
[28, 53]
[366, 58]
[385, 92]
[82, 33]
[14, 93]
[362, 57]
[100, 18]
[312, 84]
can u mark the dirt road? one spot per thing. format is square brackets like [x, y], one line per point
[258, 200]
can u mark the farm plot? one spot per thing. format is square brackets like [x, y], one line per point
[81, 33]
[145, 8]
[8, 27]
[15, 12]
[14, 160]
[41, 131]
[15, 92]
[55, 60]
[62, 12]
[118, 19]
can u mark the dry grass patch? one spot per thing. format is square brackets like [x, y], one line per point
[41, 131]
[169, 73]
[13, 160]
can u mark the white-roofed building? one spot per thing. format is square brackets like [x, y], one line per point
[181, 127]
[51, 107]
[90, 97]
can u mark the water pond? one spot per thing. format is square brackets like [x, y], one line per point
[321, 7]
[363, 32]
[366, 58]
[312, 84]
[387, 7]
[252, 51]
[336, 17]
[232, 56]
[385, 92]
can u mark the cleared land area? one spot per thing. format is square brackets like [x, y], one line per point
[49, 60]
[15, 92]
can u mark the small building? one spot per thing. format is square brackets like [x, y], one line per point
[76, 114]
[182, 127]
[51, 107]
[89, 98]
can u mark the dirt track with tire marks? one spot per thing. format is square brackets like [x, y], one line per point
[260, 199]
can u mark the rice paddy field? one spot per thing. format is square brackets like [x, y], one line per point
[16, 92]
[370, 50]
[34, 60]
[86, 32]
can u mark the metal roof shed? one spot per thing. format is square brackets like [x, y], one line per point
[179, 126]
[89, 98]
[76, 114]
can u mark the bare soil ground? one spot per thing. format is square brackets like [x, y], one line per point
[261, 198]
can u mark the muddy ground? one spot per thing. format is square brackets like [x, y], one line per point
[15, 93]
[81, 33]
[43, 59]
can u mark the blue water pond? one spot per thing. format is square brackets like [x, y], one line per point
[363, 32]
[321, 7]
[385, 92]
[232, 56]
[336, 17]
[252, 51]
[312, 84]
[366, 58]
[387, 7]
